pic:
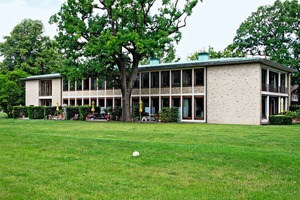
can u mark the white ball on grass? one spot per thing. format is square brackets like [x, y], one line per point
[136, 154]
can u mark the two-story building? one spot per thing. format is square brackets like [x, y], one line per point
[226, 91]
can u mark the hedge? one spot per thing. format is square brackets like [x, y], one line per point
[84, 111]
[169, 114]
[3, 115]
[280, 120]
[19, 111]
[71, 111]
[36, 112]
[294, 107]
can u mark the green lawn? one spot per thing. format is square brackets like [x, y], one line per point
[93, 160]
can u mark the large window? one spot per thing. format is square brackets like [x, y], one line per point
[145, 80]
[137, 81]
[86, 84]
[165, 79]
[187, 77]
[46, 88]
[187, 108]
[154, 79]
[72, 85]
[79, 85]
[199, 77]
[199, 108]
[165, 102]
[176, 78]
[66, 85]
[94, 83]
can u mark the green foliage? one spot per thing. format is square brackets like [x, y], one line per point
[19, 111]
[110, 38]
[294, 107]
[116, 113]
[169, 114]
[3, 115]
[71, 111]
[228, 52]
[280, 120]
[27, 49]
[36, 112]
[12, 90]
[49, 110]
[84, 111]
[273, 31]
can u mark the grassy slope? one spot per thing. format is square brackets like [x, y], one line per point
[92, 160]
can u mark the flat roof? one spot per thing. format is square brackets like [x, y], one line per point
[215, 62]
[45, 76]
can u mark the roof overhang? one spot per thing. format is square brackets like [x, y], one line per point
[42, 77]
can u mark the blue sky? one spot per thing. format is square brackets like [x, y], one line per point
[213, 22]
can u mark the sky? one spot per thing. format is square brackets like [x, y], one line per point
[213, 22]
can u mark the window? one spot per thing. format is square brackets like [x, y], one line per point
[165, 79]
[199, 77]
[94, 83]
[79, 85]
[79, 102]
[66, 85]
[199, 108]
[154, 79]
[264, 80]
[101, 84]
[187, 77]
[86, 84]
[176, 78]
[46, 88]
[264, 107]
[72, 85]
[187, 108]
[165, 102]
[176, 102]
[145, 80]
[137, 82]
[46, 102]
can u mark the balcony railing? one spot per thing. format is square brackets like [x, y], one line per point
[274, 88]
[45, 93]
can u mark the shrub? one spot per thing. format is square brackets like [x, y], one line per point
[116, 113]
[3, 115]
[84, 111]
[36, 112]
[48, 110]
[71, 111]
[294, 107]
[280, 120]
[169, 114]
[19, 111]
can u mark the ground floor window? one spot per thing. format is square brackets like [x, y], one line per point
[187, 107]
[273, 106]
[199, 108]
[176, 101]
[264, 107]
[46, 102]
[165, 102]
[154, 105]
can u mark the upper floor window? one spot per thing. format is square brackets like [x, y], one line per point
[86, 84]
[79, 85]
[199, 77]
[176, 77]
[165, 79]
[154, 79]
[93, 83]
[145, 80]
[187, 77]
[66, 85]
[72, 85]
[136, 83]
[46, 88]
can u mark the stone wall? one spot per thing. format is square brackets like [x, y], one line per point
[234, 94]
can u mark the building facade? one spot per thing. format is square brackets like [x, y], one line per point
[225, 91]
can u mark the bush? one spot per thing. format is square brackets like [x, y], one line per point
[294, 107]
[280, 120]
[84, 111]
[19, 111]
[71, 111]
[36, 112]
[49, 110]
[169, 114]
[3, 115]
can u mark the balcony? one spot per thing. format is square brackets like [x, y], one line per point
[274, 88]
[45, 93]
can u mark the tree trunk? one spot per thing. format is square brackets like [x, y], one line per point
[126, 114]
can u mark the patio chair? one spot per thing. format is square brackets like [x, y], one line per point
[75, 117]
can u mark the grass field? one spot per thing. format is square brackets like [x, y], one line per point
[93, 160]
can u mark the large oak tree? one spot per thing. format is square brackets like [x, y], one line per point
[97, 36]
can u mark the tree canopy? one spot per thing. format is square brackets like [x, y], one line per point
[103, 35]
[27, 49]
[272, 31]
